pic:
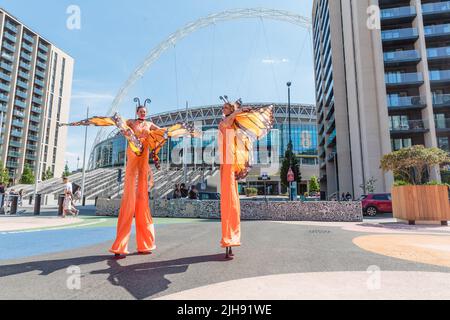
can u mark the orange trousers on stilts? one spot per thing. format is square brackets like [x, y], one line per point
[135, 203]
[230, 208]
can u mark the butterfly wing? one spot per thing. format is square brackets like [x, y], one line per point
[157, 138]
[250, 126]
[116, 120]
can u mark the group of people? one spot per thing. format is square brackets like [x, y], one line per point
[70, 197]
[6, 197]
[145, 140]
[181, 192]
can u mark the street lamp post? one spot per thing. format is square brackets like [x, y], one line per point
[83, 180]
[289, 111]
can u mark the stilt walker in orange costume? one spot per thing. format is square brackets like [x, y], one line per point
[142, 136]
[238, 130]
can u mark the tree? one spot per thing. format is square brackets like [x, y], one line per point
[314, 185]
[369, 186]
[413, 163]
[290, 160]
[27, 175]
[66, 172]
[48, 174]
[4, 174]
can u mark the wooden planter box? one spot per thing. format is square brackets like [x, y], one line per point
[422, 203]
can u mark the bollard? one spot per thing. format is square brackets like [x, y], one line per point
[60, 204]
[84, 201]
[14, 201]
[31, 200]
[96, 198]
[37, 205]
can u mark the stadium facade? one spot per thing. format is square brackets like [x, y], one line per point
[201, 152]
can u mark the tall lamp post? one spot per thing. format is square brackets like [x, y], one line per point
[291, 177]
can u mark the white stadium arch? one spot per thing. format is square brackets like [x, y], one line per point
[190, 28]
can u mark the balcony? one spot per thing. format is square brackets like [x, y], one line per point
[400, 35]
[442, 125]
[4, 97]
[9, 47]
[24, 75]
[17, 134]
[5, 77]
[27, 47]
[19, 124]
[438, 32]
[11, 164]
[397, 58]
[22, 84]
[396, 103]
[30, 157]
[10, 37]
[32, 147]
[42, 56]
[39, 83]
[11, 27]
[40, 74]
[33, 128]
[37, 100]
[331, 125]
[35, 119]
[20, 104]
[32, 138]
[440, 76]
[19, 114]
[24, 65]
[16, 144]
[321, 140]
[398, 15]
[21, 94]
[7, 67]
[441, 9]
[404, 79]
[8, 57]
[36, 110]
[321, 128]
[28, 38]
[408, 126]
[5, 87]
[14, 154]
[41, 65]
[38, 91]
[331, 139]
[43, 48]
[441, 101]
[438, 53]
[26, 56]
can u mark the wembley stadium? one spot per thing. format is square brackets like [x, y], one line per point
[195, 155]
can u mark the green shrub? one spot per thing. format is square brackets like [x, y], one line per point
[399, 183]
[251, 192]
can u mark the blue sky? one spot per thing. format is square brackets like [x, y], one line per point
[249, 58]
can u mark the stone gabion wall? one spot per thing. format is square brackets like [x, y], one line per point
[250, 210]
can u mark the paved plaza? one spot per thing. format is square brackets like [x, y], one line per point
[47, 257]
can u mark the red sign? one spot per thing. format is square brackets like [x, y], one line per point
[290, 175]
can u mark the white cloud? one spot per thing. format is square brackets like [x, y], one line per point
[274, 61]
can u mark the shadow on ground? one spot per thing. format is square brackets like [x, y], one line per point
[142, 280]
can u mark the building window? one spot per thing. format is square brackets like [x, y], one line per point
[443, 143]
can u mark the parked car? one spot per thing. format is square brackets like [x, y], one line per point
[375, 203]
[208, 196]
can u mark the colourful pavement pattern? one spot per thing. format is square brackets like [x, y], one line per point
[20, 238]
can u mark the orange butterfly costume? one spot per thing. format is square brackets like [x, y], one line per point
[141, 139]
[235, 146]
